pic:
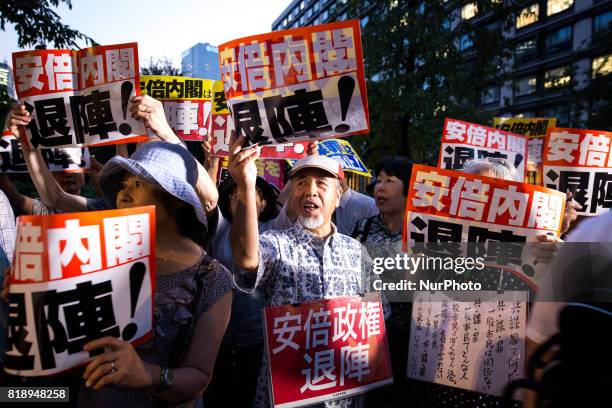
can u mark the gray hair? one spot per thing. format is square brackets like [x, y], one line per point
[500, 168]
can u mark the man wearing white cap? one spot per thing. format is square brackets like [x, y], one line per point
[309, 261]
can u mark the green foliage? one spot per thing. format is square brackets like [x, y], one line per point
[163, 66]
[36, 23]
[417, 76]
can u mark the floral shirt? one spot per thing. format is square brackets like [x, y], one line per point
[296, 266]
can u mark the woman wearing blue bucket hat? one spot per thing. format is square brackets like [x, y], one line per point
[192, 295]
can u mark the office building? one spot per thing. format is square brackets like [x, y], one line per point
[201, 61]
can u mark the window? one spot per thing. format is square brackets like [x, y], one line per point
[602, 65]
[469, 11]
[526, 49]
[489, 95]
[526, 85]
[556, 78]
[603, 22]
[528, 15]
[315, 6]
[465, 43]
[302, 20]
[559, 39]
[302, 5]
[309, 13]
[364, 21]
[325, 15]
[557, 6]
[527, 114]
[285, 22]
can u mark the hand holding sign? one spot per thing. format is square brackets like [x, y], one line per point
[19, 117]
[119, 365]
[151, 111]
[242, 166]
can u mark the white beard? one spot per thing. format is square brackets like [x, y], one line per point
[311, 222]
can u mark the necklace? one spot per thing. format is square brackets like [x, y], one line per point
[165, 258]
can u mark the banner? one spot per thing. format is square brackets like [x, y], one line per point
[270, 170]
[79, 98]
[342, 151]
[78, 277]
[535, 129]
[72, 159]
[187, 103]
[530, 127]
[478, 346]
[462, 141]
[222, 127]
[293, 85]
[325, 350]
[580, 161]
[446, 205]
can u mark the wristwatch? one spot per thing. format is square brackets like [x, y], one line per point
[166, 379]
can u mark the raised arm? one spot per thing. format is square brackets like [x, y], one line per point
[244, 232]
[151, 111]
[51, 193]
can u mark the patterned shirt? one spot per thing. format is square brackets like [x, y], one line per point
[7, 227]
[295, 265]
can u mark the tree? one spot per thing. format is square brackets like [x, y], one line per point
[36, 23]
[417, 74]
[163, 66]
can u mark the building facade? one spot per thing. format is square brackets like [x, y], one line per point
[201, 61]
[558, 44]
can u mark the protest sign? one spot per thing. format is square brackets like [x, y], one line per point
[580, 161]
[187, 103]
[222, 127]
[462, 141]
[78, 277]
[487, 207]
[294, 85]
[452, 207]
[535, 129]
[270, 170]
[79, 98]
[530, 127]
[327, 349]
[72, 159]
[342, 151]
[478, 346]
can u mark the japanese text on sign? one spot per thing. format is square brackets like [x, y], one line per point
[187, 103]
[531, 127]
[325, 349]
[73, 276]
[478, 346]
[455, 195]
[342, 151]
[298, 84]
[462, 141]
[80, 97]
[580, 161]
[73, 159]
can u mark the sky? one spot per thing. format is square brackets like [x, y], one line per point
[161, 28]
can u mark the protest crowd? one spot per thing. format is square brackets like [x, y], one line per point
[222, 258]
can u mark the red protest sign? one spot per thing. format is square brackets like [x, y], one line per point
[467, 204]
[79, 98]
[462, 141]
[294, 85]
[78, 277]
[328, 349]
[580, 161]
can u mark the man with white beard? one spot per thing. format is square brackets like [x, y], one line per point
[307, 262]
